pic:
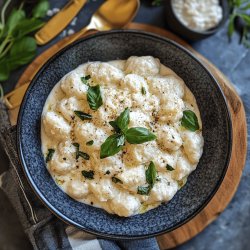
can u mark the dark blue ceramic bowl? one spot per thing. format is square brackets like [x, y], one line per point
[202, 183]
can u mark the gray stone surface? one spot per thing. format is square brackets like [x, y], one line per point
[232, 229]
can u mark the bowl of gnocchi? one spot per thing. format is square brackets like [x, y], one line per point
[124, 134]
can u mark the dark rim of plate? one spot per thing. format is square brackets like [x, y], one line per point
[54, 209]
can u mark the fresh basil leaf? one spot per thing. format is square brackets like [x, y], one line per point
[94, 97]
[143, 91]
[85, 79]
[138, 135]
[190, 120]
[122, 120]
[26, 26]
[116, 180]
[40, 9]
[88, 174]
[90, 143]
[115, 126]
[143, 190]
[15, 17]
[4, 71]
[111, 146]
[49, 156]
[83, 116]
[22, 52]
[151, 174]
[85, 156]
[169, 168]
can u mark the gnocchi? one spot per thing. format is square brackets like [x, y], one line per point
[73, 133]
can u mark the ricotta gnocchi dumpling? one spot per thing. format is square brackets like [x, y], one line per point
[56, 126]
[122, 135]
[72, 85]
[144, 65]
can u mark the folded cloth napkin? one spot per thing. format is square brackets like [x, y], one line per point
[44, 230]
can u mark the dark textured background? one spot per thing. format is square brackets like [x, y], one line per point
[232, 229]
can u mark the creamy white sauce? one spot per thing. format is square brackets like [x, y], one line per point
[198, 15]
[160, 110]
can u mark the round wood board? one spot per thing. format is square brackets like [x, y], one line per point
[239, 150]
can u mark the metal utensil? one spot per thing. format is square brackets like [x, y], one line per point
[58, 22]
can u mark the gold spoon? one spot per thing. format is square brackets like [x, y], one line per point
[113, 14]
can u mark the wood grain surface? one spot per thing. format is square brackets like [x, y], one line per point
[239, 150]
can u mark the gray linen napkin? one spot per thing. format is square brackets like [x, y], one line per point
[44, 230]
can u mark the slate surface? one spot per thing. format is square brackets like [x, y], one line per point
[232, 229]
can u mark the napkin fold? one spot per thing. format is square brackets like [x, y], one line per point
[44, 229]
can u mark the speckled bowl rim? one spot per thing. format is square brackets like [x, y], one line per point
[64, 218]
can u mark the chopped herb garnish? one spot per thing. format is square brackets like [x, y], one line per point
[94, 97]
[59, 182]
[143, 190]
[50, 153]
[143, 91]
[169, 168]
[85, 156]
[83, 116]
[89, 143]
[151, 174]
[189, 120]
[76, 144]
[116, 180]
[150, 178]
[136, 135]
[85, 79]
[80, 153]
[88, 174]
[107, 172]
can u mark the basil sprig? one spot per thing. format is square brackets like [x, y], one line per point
[83, 116]
[150, 178]
[190, 121]
[114, 143]
[79, 153]
[88, 174]
[50, 153]
[94, 97]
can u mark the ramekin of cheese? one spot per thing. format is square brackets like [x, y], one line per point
[111, 128]
[196, 19]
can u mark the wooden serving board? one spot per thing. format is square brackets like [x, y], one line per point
[239, 150]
